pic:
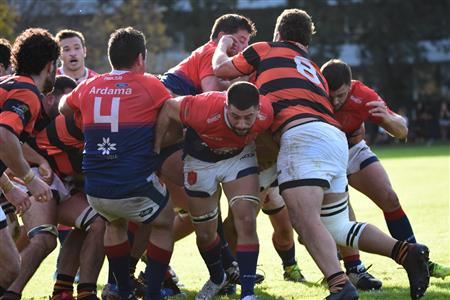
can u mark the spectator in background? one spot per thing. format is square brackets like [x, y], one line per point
[444, 120]
[5, 55]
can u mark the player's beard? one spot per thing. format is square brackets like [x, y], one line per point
[241, 132]
[49, 82]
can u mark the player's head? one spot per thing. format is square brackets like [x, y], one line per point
[240, 27]
[339, 78]
[126, 49]
[242, 107]
[294, 25]
[63, 85]
[73, 49]
[5, 57]
[35, 52]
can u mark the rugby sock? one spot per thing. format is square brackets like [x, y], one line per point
[399, 227]
[285, 252]
[399, 252]
[87, 291]
[133, 263]
[158, 260]
[351, 262]
[227, 257]
[119, 261]
[9, 295]
[64, 283]
[212, 257]
[247, 257]
[336, 282]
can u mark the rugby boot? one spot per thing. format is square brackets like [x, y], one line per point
[438, 270]
[293, 273]
[362, 279]
[348, 292]
[110, 292]
[416, 265]
[210, 289]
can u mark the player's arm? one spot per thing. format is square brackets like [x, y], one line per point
[64, 108]
[170, 112]
[12, 156]
[222, 64]
[393, 123]
[14, 195]
[214, 83]
[35, 158]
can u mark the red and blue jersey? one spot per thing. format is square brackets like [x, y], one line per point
[209, 137]
[88, 73]
[355, 112]
[186, 77]
[119, 111]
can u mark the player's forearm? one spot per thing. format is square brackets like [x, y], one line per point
[219, 62]
[31, 155]
[12, 155]
[396, 126]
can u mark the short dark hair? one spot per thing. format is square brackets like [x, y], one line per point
[232, 23]
[337, 73]
[295, 25]
[63, 82]
[5, 53]
[69, 33]
[243, 95]
[124, 46]
[33, 50]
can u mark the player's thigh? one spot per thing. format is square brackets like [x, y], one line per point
[40, 213]
[172, 168]
[70, 209]
[372, 181]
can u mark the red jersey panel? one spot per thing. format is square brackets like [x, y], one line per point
[293, 83]
[88, 73]
[20, 104]
[198, 65]
[354, 112]
[204, 114]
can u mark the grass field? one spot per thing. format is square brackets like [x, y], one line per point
[420, 176]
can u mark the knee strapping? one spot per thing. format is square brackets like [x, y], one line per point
[335, 218]
[205, 217]
[86, 218]
[44, 228]
[250, 198]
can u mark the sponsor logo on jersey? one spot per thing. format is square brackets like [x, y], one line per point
[355, 99]
[111, 91]
[213, 119]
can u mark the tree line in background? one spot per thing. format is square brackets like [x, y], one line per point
[387, 31]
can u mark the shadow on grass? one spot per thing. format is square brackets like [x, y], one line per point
[406, 151]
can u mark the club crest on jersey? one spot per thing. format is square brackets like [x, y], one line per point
[213, 119]
[106, 147]
[355, 99]
[192, 177]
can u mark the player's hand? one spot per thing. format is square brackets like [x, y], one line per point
[39, 189]
[228, 43]
[19, 199]
[46, 172]
[378, 109]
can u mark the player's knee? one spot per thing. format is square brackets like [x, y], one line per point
[86, 219]
[246, 225]
[205, 238]
[44, 236]
[336, 220]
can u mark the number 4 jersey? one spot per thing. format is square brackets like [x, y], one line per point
[119, 111]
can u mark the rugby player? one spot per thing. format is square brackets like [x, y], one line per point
[219, 148]
[5, 57]
[355, 103]
[119, 110]
[313, 153]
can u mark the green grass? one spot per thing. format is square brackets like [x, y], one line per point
[420, 176]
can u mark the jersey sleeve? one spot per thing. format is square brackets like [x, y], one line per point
[266, 111]
[157, 91]
[73, 98]
[20, 112]
[205, 64]
[248, 60]
[186, 110]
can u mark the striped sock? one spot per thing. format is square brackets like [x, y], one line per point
[399, 252]
[212, 257]
[336, 282]
[87, 291]
[64, 283]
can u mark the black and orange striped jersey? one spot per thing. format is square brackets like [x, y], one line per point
[293, 83]
[61, 142]
[20, 105]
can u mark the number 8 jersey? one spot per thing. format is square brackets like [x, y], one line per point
[119, 111]
[292, 82]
